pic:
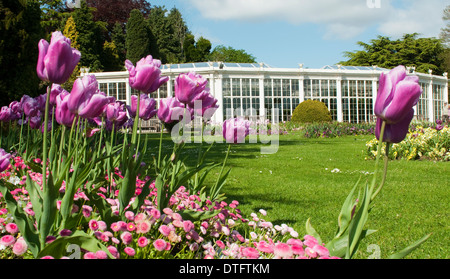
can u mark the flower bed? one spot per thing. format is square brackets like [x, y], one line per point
[167, 234]
[420, 144]
[338, 129]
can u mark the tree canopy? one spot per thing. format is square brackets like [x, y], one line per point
[422, 53]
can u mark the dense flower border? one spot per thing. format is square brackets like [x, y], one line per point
[153, 234]
[420, 144]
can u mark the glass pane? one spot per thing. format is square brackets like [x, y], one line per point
[245, 87]
[255, 87]
[112, 90]
[226, 87]
[268, 87]
[315, 88]
[122, 92]
[295, 87]
[307, 88]
[236, 87]
[324, 90]
[277, 87]
[333, 88]
[286, 87]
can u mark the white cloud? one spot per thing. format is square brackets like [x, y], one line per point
[343, 19]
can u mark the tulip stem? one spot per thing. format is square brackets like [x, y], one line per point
[160, 144]
[386, 160]
[380, 144]
[45, 146]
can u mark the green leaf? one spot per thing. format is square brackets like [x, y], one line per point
[57, 248]
[311, 231]
[358, 222]
[49, 209]
[403, 253]
[345, 215]
[35, 194]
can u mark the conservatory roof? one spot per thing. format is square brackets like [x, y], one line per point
[215, 65]
[353, 68]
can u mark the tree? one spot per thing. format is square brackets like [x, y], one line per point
[139, 37]
[196, 51]
[229, 54]
[117, 11]
[422, 53]
[118, 37]
[90, 37]
[70, 31]
[180, 31]
[20, 32]
[163, 33]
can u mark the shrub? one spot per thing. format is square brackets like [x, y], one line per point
[311, 111]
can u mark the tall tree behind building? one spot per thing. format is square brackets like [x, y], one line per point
[20, 32]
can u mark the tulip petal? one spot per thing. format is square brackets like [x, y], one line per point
[395, 133]
[40, 68]
[406, 96]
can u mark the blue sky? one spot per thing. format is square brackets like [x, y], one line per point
[285, 33]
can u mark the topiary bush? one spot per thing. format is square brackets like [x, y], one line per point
[311, 111]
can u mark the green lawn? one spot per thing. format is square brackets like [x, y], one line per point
[310, 178]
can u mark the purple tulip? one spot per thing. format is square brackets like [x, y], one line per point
[5, 114]
[115, 113]
[188, 87]
[85, 99]
[235, 130]
[147, 107]
[146, 76]
[56, 60]
[16, 110]
[55, 91]
[394, 133]
[29, 105]
[397, 95]
[63, 115]
[169, 107]
[204, 104]
[4, 160]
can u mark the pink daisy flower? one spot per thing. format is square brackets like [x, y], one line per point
[310, 241]
[129, 215]
[322, 251]
[159, 244]
[7, 240]
[126, 237]
[250, 252]
[101, 254]
[165, 230]
[93, 225]
[188, 226]
[11, 228]
[129, 251]
[142, 241]
[20, 247]
[282, 251]
[113, 251]
[264, 247]
[89, 256]
[310, 252]
[131, 226]
[143, 227]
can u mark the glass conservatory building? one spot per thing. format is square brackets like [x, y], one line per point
[259, 91]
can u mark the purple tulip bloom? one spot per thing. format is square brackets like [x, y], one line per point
[29, 105]
[85, 99]
[189, 86]
[394, 133]
[146, 76]
[4, 160]
[397, 95]
[235, 130]
[16, 110]
[204, 104]
[170, 110]
[63, 115]
[115, 114]
[56, 60]
[54, 92]
[5, 114]
[147, 107]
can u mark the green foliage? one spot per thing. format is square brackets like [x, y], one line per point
[229, 54]
[422, 53]
[20, 32]
[311, 111]
[196, 51]
[138, 38]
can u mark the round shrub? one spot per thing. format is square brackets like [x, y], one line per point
[311, 111]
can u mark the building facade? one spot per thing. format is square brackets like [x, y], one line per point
[255, 90]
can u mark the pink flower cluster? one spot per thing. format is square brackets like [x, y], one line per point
[154, 234]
